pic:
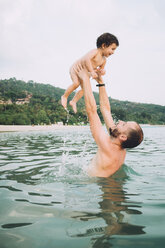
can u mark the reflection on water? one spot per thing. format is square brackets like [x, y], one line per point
[14, 225]
[113, 215]
[47, 199]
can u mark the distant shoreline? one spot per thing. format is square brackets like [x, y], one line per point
[27, 128]
[53, 127]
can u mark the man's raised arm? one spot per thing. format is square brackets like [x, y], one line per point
[105, 105]
[96, 127]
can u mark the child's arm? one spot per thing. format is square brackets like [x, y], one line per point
[88, 64]
[101, 68]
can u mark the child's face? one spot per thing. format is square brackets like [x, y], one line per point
[107, 51]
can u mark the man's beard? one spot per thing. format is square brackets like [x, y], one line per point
[114, 132]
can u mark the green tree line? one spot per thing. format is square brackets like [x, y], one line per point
[44, 106]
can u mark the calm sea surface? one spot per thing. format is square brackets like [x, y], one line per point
[47, 200]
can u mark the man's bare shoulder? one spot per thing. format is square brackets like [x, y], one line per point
[112, 150]
[106, 144]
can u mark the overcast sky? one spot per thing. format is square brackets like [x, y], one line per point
[40, 39]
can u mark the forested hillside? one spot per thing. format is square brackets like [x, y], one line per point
[30, 103]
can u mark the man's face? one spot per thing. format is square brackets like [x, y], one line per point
[107, 51]
[122, 127]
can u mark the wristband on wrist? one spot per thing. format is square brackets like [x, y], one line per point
[99, 85]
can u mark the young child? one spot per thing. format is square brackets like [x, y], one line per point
[94, 61]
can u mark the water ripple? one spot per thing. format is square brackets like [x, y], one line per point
[43, 183]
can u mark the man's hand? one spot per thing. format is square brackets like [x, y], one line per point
[94, 74]
[83, 73]
[101, 71]
[99, 78]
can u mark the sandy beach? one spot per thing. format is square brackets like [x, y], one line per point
[25, 128]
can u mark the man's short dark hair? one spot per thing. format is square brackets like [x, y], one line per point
[134, 138]
[107, 39]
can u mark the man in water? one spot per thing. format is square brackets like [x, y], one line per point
[112, 145]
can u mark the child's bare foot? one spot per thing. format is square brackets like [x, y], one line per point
[73, 105]
[64, 101]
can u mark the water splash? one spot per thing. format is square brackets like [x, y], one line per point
[65, 155]
[67, 116]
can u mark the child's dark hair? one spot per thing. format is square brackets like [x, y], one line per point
[107, 39]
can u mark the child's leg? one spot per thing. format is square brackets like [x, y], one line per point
[79, 94]
[75, 99]
[69, 90]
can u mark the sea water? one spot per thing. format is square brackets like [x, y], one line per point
[48, 200]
